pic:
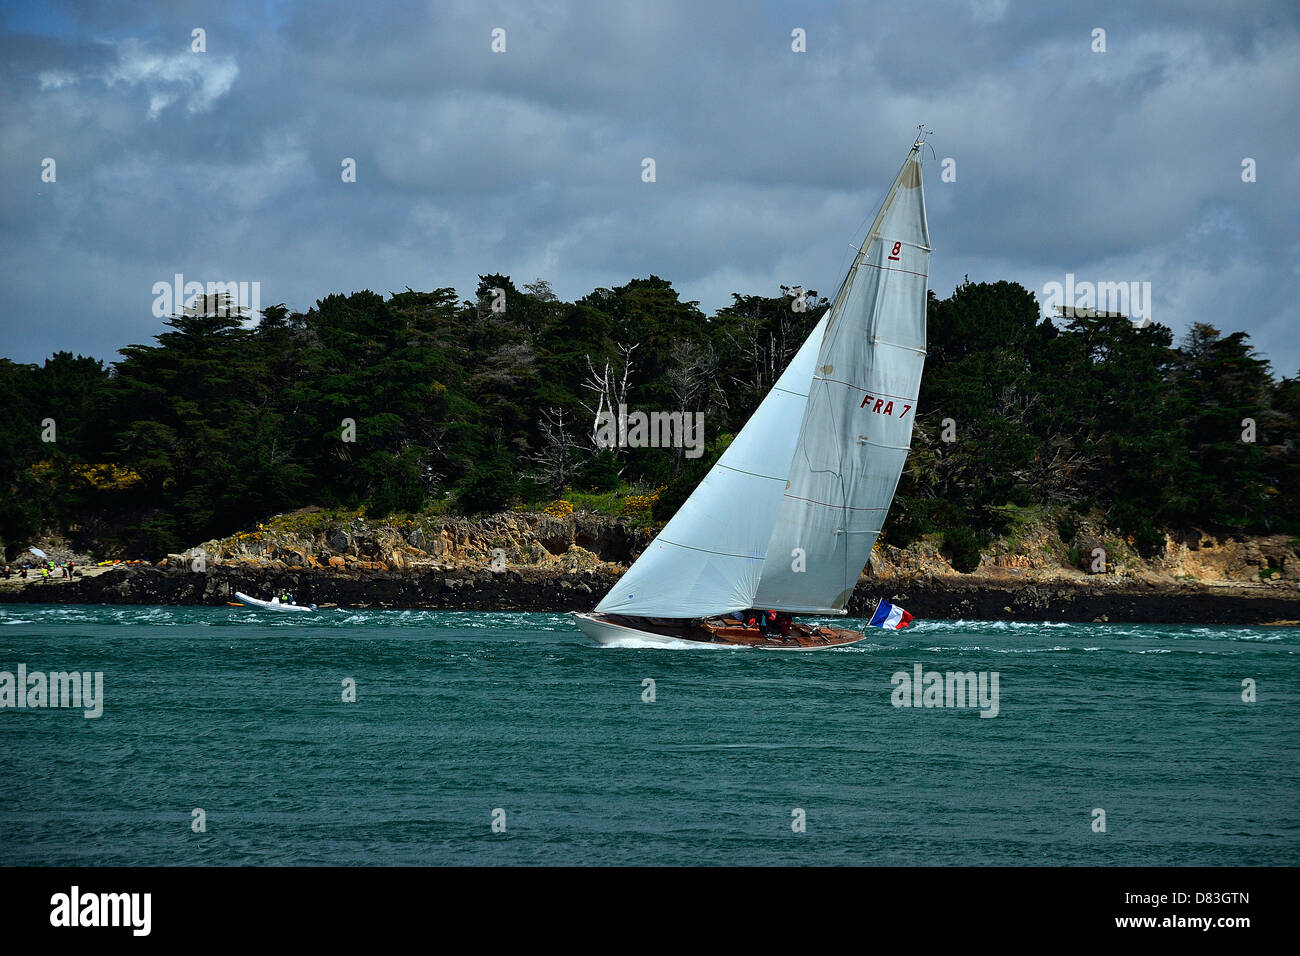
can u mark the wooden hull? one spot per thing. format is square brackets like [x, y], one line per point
[667, 632]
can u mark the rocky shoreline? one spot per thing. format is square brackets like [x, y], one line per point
[966, 597]
[544, 562]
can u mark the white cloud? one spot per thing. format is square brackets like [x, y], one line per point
[988, 11]
[56, 79]
[200, 78]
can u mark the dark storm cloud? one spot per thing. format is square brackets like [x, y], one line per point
[1115, 166]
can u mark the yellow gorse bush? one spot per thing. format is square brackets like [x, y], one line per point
[559, 508]
[105, 477]
[640, 506]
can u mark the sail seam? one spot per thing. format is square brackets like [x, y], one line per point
[909, 272]
[752, 474]
[725, 554]
[827, 505]
[900, 398]
[899, 345]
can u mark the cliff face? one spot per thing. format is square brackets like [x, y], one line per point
[1096, 556]
[515, 540]
[521, 561]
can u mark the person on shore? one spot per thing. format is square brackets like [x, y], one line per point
[7, 572]
[22, 573]
[71, 568]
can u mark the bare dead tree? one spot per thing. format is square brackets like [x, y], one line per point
[542, 291]
[693, 379]
[767, 350]
[560, 455]
[1061, 471]
[611, 386]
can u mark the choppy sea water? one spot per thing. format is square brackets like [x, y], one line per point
[463, 718]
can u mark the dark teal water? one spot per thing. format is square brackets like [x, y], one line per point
[458, 714]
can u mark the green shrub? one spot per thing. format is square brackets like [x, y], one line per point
[599, 473]
[962, 547]
[491, 485]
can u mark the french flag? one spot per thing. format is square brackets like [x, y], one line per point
[890, 616]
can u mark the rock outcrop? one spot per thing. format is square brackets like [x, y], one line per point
[311, 539]
[520, 590]
[528, 561]
[578, 589]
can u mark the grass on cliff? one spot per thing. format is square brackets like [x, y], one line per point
[314, 522]
[604, 503]
[626, 501]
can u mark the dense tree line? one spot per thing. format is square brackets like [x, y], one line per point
[420, 400]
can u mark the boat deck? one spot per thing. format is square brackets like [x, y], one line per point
[717, 631]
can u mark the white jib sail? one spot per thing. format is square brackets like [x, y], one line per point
[708, 558]
[857, 424]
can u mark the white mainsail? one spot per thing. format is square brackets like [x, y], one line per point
[802, 491]
[857, 425]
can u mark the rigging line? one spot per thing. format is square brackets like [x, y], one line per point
[867, 221]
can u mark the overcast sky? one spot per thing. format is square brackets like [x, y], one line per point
[1116, 166]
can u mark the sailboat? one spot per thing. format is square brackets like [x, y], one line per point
[786, 519]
